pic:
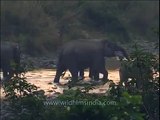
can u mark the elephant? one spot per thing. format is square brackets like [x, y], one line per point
[10, 55]
[79, 55]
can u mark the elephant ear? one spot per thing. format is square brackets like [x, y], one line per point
[121, 53]
[115, 50]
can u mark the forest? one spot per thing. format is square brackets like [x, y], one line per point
[40, 27]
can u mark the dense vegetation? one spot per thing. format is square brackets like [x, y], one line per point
[41, 26]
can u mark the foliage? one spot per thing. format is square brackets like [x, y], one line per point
[143, 71]
[25, 100]
[94, 107]
[73, 104]
[41, 26]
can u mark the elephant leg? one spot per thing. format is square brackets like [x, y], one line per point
[121, 76]
[58, 74]
[81, 74]
[95, 75]
[16, 72]
[91, 73]
[105, 75]
[5, 74]
[11, 74]
[57, 77]
[98, 66]
[124, 76]
[74, 73]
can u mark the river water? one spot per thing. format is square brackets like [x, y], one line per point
[43, 79]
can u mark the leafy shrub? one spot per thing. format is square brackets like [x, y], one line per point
[25, 100]
[94, 107]
[142, 70]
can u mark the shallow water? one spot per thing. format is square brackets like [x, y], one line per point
[42, 79]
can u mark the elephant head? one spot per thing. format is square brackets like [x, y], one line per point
[113, 50]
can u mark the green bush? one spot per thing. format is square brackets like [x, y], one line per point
[25, 100]
[143, 70]
[94, 107]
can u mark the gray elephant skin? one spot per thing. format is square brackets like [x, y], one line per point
[79, 55]
[10, 55]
